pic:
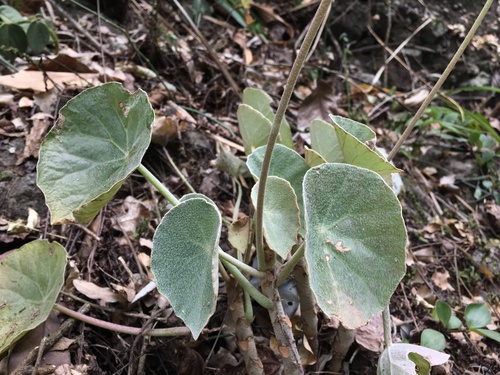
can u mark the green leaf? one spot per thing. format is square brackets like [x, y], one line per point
[433, 339]
[313, 158]
[325, 142]
[477, 315]
[9, 14]
[184, 260]
[261, 101]
[494, 335]
[30, 280]
[281, 221]
[287, 164]
[454, 323]
[398, 359]
[254, 128]
[98, 141]
[355, 242]
[12, 36]
[362, 132]
[443, 312]
[38, 36]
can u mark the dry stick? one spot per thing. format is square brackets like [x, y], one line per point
[212, 54]
[386, 41]
[441, 80]
[281, 327]
[386, 313]
[243, 329]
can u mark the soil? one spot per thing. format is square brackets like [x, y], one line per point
[455, 229]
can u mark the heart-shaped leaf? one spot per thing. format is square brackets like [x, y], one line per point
[98, 141]
[355, 242]
[184, 260]
[281, 221]
[397, 359]
[30, 280]
[288, 165]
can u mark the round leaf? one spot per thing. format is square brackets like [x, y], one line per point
[184, 260]
[355, 242]
[477, 315]
[99, 139]
[30, 280]
[12, 36]
[443, 311]
[432, 339]
[38, 36]
[281, 221]
[9, 14]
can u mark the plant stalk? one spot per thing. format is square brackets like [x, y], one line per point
[164, 332]
[441, 79]
[158, 185]
[260, 298]
[318, 19]
[287, 269]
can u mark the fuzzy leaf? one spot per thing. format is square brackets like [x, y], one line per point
[355, 242]
[30, 280]
[98, 141]
[184, 260]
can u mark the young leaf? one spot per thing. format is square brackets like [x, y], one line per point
[443, 311]
[30, 278]
[9, 14]
[355, 242]
[494, 335]
[38, 36]
[184, 260]
[396, 360]
[362, 132]
[12, 35]
[477, 315]
[432, 339]
[287, 164]
[254, 127]
[281, 215]
[98, 141]
[261, 101]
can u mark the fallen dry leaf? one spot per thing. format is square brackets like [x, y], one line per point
[441, 280]
[44, 81]
[41, 124]
[92, 291]
[371, 336]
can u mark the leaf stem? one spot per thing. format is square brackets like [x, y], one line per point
[173, 331]
[242, 266]
[158, 185]
[288, 267]
[246, 285]
[386, 318]
[441, 79]
[280, 112]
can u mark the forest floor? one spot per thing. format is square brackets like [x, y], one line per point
[450, 186]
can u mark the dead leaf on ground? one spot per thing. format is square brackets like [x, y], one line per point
[371, 336]
[448, 183]
[44, 81]
[440, 279]
[92, 291]
[134, 211]
[41, 124]
[318, 106]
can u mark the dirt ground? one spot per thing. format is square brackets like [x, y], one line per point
[450, 199]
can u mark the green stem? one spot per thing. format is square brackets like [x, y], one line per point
[280, 112]
[178, 171]
[386, 317]
[174, 331]
[157, 184]
[246, 285]
[441, 79]
[242, 266]
[287, 269]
